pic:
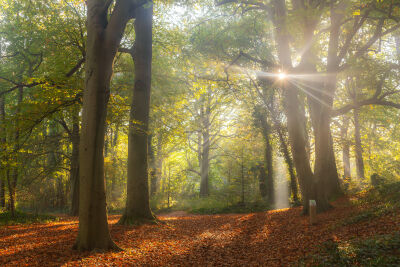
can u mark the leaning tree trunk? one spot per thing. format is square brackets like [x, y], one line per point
[358, 145]
[137, 208]
[74, 171]
[103, 39]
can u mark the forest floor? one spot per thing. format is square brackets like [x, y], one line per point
[273, 238]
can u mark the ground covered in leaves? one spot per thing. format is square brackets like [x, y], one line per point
[273, 238]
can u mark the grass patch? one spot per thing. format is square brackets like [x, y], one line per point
[25, 218]
[382, 250]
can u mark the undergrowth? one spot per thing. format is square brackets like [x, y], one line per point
[24, 218]
[381, 250]
[374, 203]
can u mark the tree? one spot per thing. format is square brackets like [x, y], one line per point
[103, 39]
[137, 207]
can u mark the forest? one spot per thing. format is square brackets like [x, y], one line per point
[200, 133]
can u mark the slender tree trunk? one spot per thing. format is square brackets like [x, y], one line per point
[268, 158]
[155, 182]
[358, 145]
[3, 159]
[13, 179]
[152, 166]
[242, 176]
[137, 205]
[74, 172]
[205, 152]
[169, 186]
[262, 178]
[345, 148]
[103, 39]
[2, 191]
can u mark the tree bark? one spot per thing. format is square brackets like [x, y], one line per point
[103, 39]
[358, 145]
[137, 209]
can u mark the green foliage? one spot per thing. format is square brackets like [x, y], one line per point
[25, 218]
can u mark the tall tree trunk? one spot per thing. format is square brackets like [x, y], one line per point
[103, 39]
[3, 159]
[205, 151]
[358, 145]
[137, 204]
[13, 178]
[152, 166]
[158, 167]
[345, 148]
[268, 158]
[2, 190]
[74, 170]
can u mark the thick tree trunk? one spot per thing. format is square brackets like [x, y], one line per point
[137, 209]
[358, 145]
[103, 39]
[74, 170]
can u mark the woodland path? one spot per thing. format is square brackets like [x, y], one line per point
[274, 238]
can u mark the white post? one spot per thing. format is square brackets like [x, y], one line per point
[313, 212]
